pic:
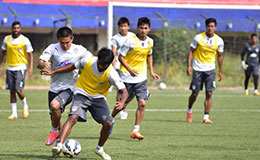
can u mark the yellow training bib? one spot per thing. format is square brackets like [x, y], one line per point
[204, 53]
[91, 83]
[16, 53]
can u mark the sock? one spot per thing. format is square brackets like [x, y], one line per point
[98, 148]
[14, 109]
[206, 116]
[56, 130]
[113, 121]
[25, 106]
[246, 90]
[136, 128]
[255, 91]
[60, 145]
[189, 110]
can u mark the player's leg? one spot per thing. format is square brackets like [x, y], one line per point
[247, 77]
[210, 86]
[76, 114]
[57, 104]
[195, 87]
[255, 76]
[141, 95]
[99, 109]
[130, 90]
[10, 85]
[19, 85]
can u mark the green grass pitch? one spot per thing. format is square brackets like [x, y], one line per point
[233, 135]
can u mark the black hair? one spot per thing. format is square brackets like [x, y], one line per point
[253, 35]
[16, 23]
[123, 20]
[64, 32]
[105, 55]
[210, 20]
[143, 20]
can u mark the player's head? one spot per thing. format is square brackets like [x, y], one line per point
[105, 58]
[123, 25]
[65, 37]
[143, 26]
[16, 29]
[254, 38]
[211, 24]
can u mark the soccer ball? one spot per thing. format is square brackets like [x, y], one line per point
[71, 148]
[162, 86]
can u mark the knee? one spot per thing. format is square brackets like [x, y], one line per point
[141, 104]
[55, 106]
[208, 95]
[107, 124]
[194, 94]
[73, 119]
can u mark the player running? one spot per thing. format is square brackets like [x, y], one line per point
[62, 85]
[90, 95]
[203, 50]
[17, 48]
[252, 51]
[117, 42]
[134, 55]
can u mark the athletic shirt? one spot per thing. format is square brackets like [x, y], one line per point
[206, 48]
[135, 52]
[92, 82]
[117, 41]
[17, 49]
[252, 54]
[58, 58]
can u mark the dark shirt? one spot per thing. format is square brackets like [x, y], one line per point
[252, 54]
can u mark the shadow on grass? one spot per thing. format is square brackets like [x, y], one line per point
[111, 137]
[32, 156]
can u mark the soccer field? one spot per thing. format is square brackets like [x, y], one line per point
[233, 135]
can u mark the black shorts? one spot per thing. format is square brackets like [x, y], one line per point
[139, 89]
[98, 108]
[252, 69]
[15, 79]
[64, 97]
[201, 77]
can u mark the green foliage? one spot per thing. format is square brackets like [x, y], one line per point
[177, 41]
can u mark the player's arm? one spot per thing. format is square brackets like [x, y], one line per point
[150, 66]
[220, 62]
[123, 62]
[189, 68]
[43, 64]
[114, 50]
[30, 70]
[2, 55]
[67, 68]
[243, 64]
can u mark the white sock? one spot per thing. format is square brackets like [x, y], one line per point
[60, 145]
[189, 110]
[113, 121]
[246, 90]
[25, 106]
[14, 109]
[56, 130]
[206, 116]
[98, 148]
[255, 91]
[136, 128]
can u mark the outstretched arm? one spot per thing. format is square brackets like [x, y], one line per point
[67, 68]
[150, 66]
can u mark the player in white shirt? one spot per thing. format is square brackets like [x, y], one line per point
[206, 48]
[63, 84]
[90, 95]
[116, 43]
[17, 48]
[135, 55]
